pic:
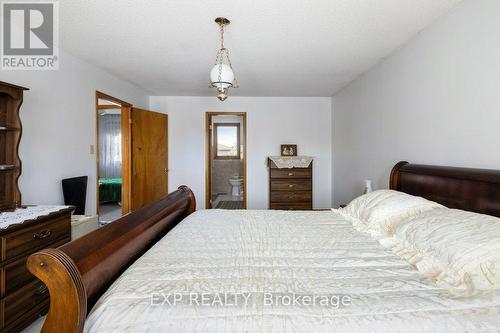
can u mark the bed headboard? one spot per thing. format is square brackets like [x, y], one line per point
[476, 190]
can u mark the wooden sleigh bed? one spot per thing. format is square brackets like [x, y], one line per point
[78, 273]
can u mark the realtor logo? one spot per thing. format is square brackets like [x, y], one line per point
[29, 35]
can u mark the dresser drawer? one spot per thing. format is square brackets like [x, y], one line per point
[291, 173]
[28, 240]
[291, 205]
[22, 301]
[15, 274]
[291, 185]
[291, 196]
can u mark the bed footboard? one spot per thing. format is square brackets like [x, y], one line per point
[78, 273]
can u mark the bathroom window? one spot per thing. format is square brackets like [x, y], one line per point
[227, 140]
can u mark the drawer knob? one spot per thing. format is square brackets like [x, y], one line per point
[42, 234]
[290, 197]
[290, 173]
[41, 290]
[291, 185]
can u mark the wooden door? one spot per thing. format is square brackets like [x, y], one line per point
[149, 157]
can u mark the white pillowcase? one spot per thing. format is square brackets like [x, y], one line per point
[380, 212]
[460, 250]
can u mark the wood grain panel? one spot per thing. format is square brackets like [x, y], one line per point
[291, 185]
[15, 274]
[23, 300]
[291, 205]
[28, 240]
[475, 190]
[18, 324]
[291, 196]
[149, 157]
[291, 173]
[23, 297]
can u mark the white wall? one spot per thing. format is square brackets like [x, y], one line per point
[58, 117]
[271, 121]
[436, 101]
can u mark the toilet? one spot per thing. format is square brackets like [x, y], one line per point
[236, 181]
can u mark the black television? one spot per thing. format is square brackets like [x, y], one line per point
[75, 193]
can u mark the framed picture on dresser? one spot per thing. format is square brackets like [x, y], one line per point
[288, 150]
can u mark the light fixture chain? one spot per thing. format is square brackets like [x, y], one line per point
[235, 80]
[222, 36]
[221, 52]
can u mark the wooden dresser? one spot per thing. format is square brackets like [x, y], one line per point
[23, 297]
[290, 189]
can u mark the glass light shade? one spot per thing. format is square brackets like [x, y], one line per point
[226, 76]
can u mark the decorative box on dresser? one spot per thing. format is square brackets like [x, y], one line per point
[290, 187]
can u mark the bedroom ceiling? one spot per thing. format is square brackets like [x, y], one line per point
[278, 48]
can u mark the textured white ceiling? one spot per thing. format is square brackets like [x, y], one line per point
[278, 48]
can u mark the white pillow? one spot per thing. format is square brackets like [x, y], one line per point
[460, 250]
[380, 212]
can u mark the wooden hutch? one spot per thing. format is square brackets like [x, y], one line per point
[11, 98]
[22, 296]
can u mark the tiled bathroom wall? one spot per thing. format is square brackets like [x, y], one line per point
[222, 170]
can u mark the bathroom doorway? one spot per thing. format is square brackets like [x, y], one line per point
[226, 160]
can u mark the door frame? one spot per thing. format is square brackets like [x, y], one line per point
[209, 154]
[126, 156]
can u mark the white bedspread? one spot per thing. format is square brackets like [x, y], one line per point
[276, 253]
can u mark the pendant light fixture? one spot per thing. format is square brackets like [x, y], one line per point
[222, 75]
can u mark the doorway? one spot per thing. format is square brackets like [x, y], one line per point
[226, 160]
[132, 157]
[112, 157]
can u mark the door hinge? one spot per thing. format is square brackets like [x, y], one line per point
[210, 127]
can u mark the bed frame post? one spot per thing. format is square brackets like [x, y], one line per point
[58, 272]
[192, 199]
[394, 179]
[79, 272]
